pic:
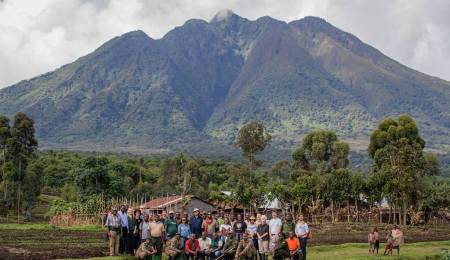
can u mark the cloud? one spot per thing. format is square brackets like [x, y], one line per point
[40, 36]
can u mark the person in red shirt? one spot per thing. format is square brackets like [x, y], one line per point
[294, 246]
[192, 247]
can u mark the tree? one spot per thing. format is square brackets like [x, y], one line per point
[337, 188]
[397, 152]
[252, 138]
[321, 151]
[358, 186]
[5, 133]
[21, 147]
[92, 178]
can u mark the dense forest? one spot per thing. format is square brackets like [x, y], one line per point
[316, 179]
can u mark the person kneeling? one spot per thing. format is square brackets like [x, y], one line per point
[145, 250]
[294, 246]
[173, 248]
[281, 251]
[246, 250]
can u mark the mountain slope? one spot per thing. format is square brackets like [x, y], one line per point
[193, 88]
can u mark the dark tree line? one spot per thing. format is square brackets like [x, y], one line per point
[18, 145]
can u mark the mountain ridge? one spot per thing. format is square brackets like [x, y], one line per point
[194, 87]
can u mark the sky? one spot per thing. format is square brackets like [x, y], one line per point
[41, 35]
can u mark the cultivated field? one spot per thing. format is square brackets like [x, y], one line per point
[41, 241]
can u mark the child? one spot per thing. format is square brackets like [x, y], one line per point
[389, 243]
[371, 241]
[376, 237]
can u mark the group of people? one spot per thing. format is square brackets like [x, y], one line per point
[205, 235]
[394, 239]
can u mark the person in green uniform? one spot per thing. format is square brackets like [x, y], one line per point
[229, 248]
[171, 225]
[288, 225]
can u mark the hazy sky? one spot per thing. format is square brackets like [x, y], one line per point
[37, 36]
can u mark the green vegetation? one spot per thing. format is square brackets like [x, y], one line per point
[354, 251]
[20, 179]
[318, 181]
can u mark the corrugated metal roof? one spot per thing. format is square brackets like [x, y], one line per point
[163, 202]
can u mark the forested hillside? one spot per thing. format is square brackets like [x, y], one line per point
[195, 87]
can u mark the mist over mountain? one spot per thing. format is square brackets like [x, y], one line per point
[192, 89]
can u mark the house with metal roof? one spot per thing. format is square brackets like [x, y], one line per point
[177, 203]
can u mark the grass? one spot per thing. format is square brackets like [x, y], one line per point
[358, 251]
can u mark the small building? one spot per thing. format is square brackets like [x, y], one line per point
[176, 203]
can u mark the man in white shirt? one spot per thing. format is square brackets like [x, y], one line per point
[274, 230]
[124, 237]
[144, 228]
[113, 224]
[205, 245]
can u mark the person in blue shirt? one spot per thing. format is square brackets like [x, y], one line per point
[184, 230]
[196, 223]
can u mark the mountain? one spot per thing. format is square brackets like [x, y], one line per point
[193, 88]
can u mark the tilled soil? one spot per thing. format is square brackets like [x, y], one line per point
[57, 243]
[51, 244]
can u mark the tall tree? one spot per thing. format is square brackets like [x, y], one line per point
[5, 133]
[21, 147]
[397, 151]
[252, 138]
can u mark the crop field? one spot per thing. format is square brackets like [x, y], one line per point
[340, 241]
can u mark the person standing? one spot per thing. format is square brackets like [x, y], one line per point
[220, 218]
[376, 237]
[157, 233]
[196, 223]
[239, 227]
[163, 216]
[135, 224]
[124, 234]
[171, 225]
[184, 230]
[178, 217]
[275, 230]
[113, 224]
[144, 228]
[252, 228]
[302, 232]
[258, 218]
[397, 234]
[209, 225]
[371, 242]
[225, 228]
[263, 238]
[288, 225]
